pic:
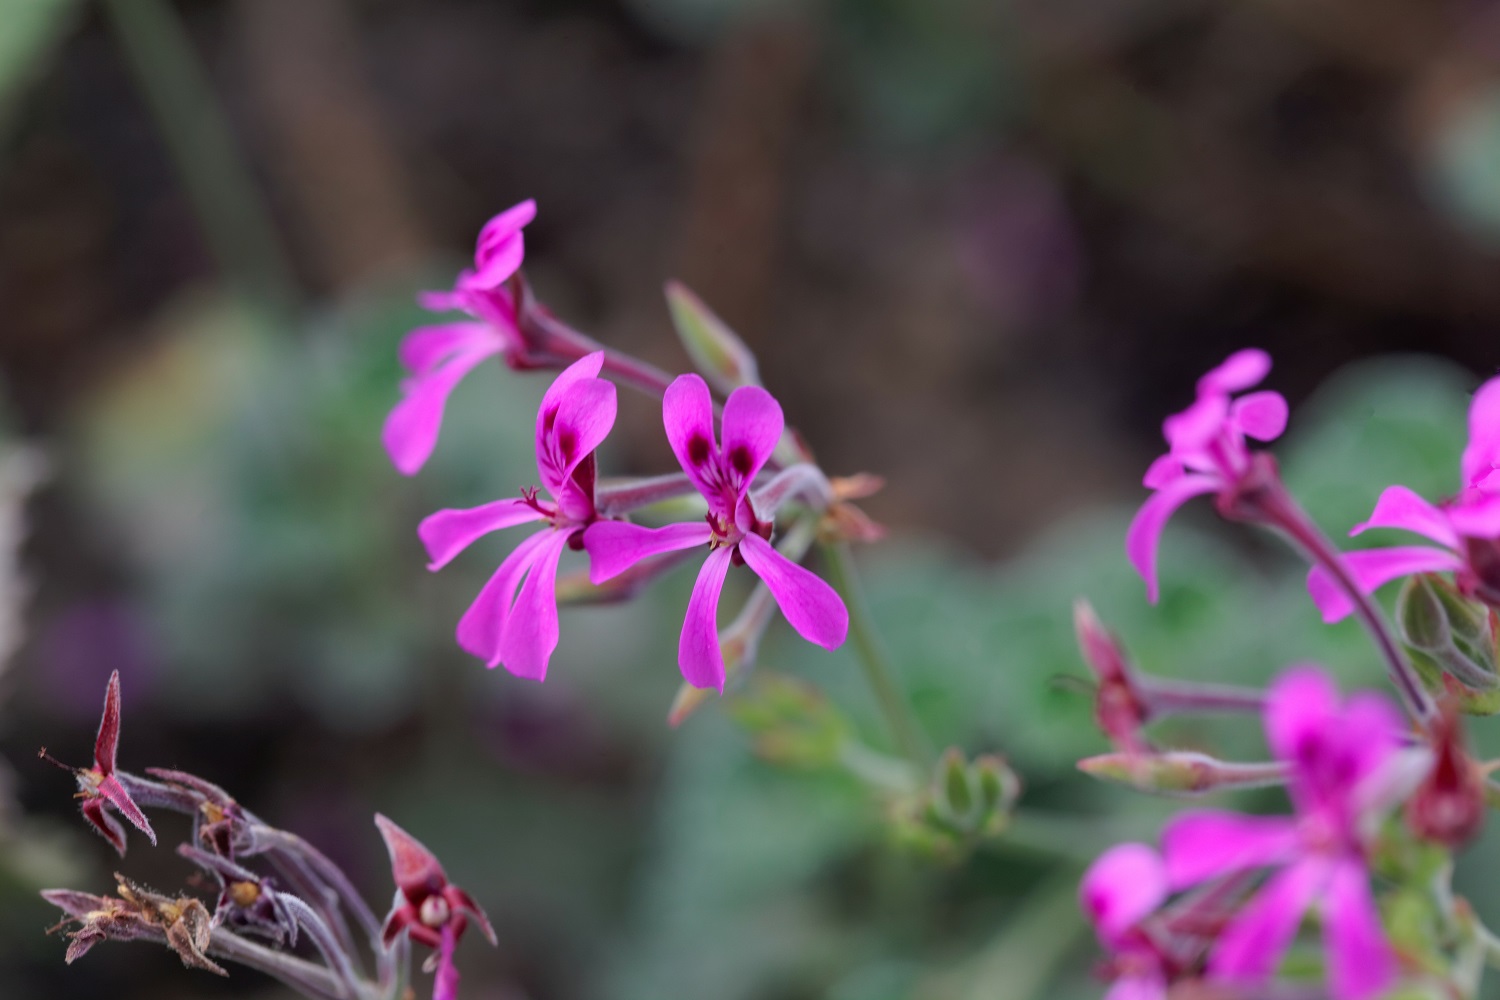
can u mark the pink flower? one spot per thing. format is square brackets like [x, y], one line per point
[501, 626]
[99, 786]
[1207, 451]
[723, 473]
[438, 357]
[428, 907]
[1345, 767]
[1467, 528]
[1120, 890]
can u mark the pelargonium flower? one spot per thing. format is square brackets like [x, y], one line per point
[1466, 528]
[1207, 450]
[1346, 771]
[428, 907]
[1121, 889]
[502, 626]
[439, 356]
[723, 472]
[99, 787]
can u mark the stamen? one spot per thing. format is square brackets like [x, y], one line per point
[44, 755]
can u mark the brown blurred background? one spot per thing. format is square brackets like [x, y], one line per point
[956, 230]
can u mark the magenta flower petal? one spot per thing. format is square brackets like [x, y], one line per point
[501, 247]
[1479, 518]
[698, 653]
[585, 414]
[1261, 415]
[530, 633]
[1302, 709]
[1205, 844]
[1194, 428]
[1250, 948]
[1361, 964]
[1240, 371]
[1372, 569]
[1145, 530]
[1482, 454]
[587, 367]
[445, 983]
[687, 412]
[449, 532]
[1147, 986]
[428, 346]
[810, 605]
[615, 546]
[1165, 469]
[1399, 507]
[1373, 730]
[1125, 884]
[411, 429]
[480, 629]
[446, 300]
[752, 425]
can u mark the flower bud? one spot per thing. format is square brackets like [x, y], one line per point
[1448, 806]
[717, 352]
[1448, 634]
[965, 803]
[1120, 706]
[1180, 772]
[790, 722]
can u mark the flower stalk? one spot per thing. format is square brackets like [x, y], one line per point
[870, 651]
[1262, 498]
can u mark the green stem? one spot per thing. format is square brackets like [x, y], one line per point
[872, 656]
[1054, 834]
[892, 775]
[171, 77]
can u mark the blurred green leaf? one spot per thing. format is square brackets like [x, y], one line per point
[29, 31]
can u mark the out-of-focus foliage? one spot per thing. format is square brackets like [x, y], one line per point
[32, 28]
[283, 506]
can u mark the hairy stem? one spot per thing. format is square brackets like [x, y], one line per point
[301, 975]
[871, 653]
[617, 497]
[1170, 697]
[280, 842]
[1262, 498]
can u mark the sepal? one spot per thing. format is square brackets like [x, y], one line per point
[717, 351]
[1448, 634]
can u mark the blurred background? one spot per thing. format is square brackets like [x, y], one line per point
[981, 248]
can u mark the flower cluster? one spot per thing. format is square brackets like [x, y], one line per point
[273, 887]
[514, 620]
[1227, 895]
